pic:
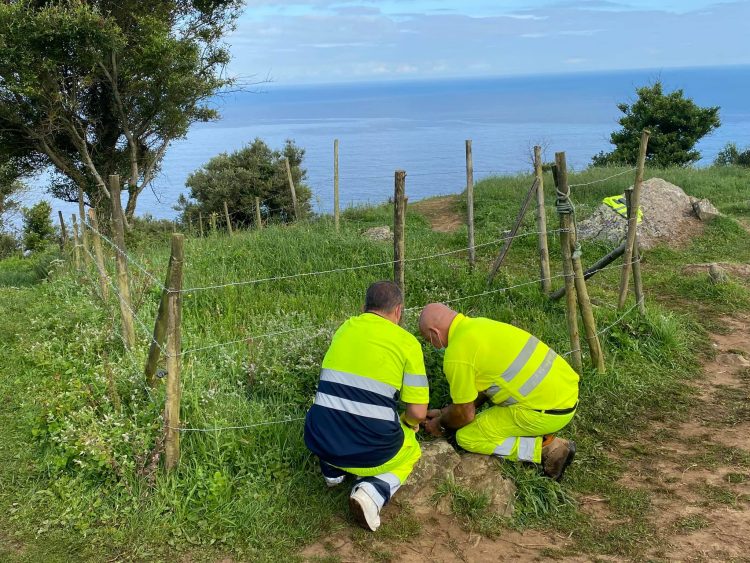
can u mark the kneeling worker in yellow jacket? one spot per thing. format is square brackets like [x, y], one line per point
[354, 426]
[533, 391]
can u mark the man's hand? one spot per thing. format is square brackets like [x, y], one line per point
[432, 425]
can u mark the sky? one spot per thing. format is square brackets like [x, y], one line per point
[328, 41]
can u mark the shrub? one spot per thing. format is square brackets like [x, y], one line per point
[37, 226]
[730, 155]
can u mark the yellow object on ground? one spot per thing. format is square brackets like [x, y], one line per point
[617, 202]
[514, 433]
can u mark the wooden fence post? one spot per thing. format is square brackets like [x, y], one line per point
[635, 201]
[561, 182]
[541, 223]
[99, 254]
[470, 203]
[200, 222]
[587, 313]
[637, 280]
[399, 224]
[594, 268]
[83, 234]
[123, 279]
[336, 184]
[291, 189]
[214, 215]
[229, 221]
[76, 243]
[258, 218]
[173, 353]
[63, 232]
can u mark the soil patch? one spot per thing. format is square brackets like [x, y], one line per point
[441, 212]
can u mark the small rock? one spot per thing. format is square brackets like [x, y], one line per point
[379, 233]
[481, 473]
[705, 210]
[717, 274]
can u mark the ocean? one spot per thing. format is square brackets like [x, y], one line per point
[421, 127]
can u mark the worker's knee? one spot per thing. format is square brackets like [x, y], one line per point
[472, 441]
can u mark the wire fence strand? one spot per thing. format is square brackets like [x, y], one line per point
[602, 179]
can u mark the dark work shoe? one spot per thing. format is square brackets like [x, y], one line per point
[557, 455]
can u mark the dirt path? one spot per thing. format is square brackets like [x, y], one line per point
[441, 212]
[695, 474]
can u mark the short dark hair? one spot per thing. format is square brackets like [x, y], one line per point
[383, 296]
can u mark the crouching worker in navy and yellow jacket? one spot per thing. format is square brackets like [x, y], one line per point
[532, 391]
[354, 425]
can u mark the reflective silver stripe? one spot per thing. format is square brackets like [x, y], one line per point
[506, 447]
[355, 407]
[526, 448]
[538, 376]
[412, 380]
[372, 492]
[358, 381]
[393, 482]
[492, 391]
[508, 402]
[521, 360]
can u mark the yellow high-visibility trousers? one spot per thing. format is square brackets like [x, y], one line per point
[514, 432]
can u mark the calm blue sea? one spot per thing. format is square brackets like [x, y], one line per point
[421, 127]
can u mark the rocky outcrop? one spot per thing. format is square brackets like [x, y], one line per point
[379, 233]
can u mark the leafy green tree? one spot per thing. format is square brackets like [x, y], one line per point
[239, 177]
[102, 87]
[730, 155]
[37, 226]
[676, 124]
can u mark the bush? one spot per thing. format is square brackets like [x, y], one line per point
[676, 124]
[8, 245]
[730, 155]
[238, 178]
[37, 226]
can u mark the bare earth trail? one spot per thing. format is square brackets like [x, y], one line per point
[696, 473]
[442, 213]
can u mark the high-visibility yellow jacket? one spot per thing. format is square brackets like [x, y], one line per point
[507, 364]
[370, 364]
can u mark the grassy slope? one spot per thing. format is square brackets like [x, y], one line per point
[77, 424]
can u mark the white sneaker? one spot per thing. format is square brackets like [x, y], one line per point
[364, 509]
[331, 482]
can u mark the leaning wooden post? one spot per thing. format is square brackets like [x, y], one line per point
[84, 235]
[200, 222]
[470, 203]
[637, 280]
[258, 218]
[399, 225]
[336, 184]
[541, 223]
[123, 279]
[99, 254]
[587, 313]
[229, 221]
[174, 353]
[563, 208]
[63, 231]
[291, 189]
[76, 243]
[159, 338]
[635, 201]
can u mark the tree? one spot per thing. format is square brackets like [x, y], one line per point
[238, 178]
[730, 155]
[102, 87]
[676, 124]
[37, 226]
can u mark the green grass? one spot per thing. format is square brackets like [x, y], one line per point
[76, 471]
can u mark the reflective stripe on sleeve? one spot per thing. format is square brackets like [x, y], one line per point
[354, 407]
[526, 448]
[506, 447]
[492, 391]
[535, 379]
[412, 380]
[357, 381]
[393, 482]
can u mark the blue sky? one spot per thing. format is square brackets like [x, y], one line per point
[313, 41]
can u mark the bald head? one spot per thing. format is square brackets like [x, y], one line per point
[435, 322]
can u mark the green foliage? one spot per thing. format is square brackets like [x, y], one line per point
[37, 226]
[238, 178]
[676, 124]
[8, 245]
[77, 79]
[730, 155]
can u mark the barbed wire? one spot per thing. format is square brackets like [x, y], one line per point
[602, 179]
[611, 326]
[361, 266]
[222, 428]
